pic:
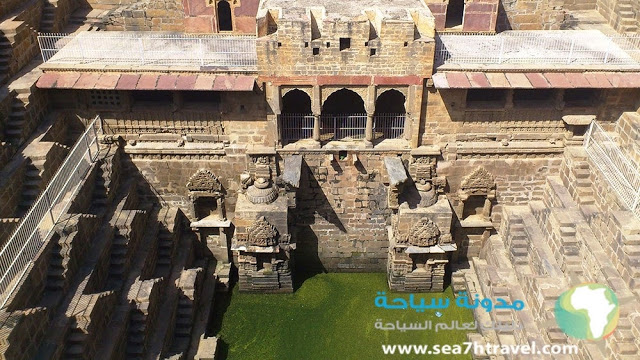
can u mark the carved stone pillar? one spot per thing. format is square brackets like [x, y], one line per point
[368, 132]
[316, 127]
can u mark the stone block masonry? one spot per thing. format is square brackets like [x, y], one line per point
[164, 15]
[531, 15]
[343, 213]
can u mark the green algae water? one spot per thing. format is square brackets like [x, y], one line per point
[331, 316]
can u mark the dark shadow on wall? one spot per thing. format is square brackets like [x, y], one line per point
[312, 200]
[502, 23]
[221, 302]
[306, 257]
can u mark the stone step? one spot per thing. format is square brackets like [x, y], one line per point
[74, 351]
[136, 338]
[30, 194]
[163, 261]
[15, 122]
[119, 251]
[55, 272]
[54, 284]
[76, 337]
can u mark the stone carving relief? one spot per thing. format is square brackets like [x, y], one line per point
[262, 192]
[477, 190]
[478, 182]
[204, 181]
[423, 233]
[262, 233]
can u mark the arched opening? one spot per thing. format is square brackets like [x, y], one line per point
[296, 102]
[390, 115]
[296, 119]
[224, 16]
[343, 116]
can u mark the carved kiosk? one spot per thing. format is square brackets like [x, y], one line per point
[207, 204]
[475, 198]
[420, 241]
[262, 245]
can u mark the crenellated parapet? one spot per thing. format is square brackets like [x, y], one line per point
[332, 38]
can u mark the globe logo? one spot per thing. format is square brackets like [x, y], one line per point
[587, 311]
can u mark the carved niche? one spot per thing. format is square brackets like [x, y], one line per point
[206, 194]
[423, 233]
[262, 233]
[476, 193]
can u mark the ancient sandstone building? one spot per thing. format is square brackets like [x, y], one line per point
[441, 142]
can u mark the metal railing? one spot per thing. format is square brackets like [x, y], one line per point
[571, 47]
[619, 171]
[296, 127]
[389, 126]
[342, 126]
[236, 52]
[36, 226]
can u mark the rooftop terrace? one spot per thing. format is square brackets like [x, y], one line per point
[118, 50]
[544, 49]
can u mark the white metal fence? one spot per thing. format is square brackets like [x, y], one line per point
[389, 126]
[36, 226]
[619, 171]
[236, 52]
[296, 127]
[571, 47]
[342, 126]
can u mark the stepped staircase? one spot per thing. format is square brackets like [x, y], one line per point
[183, 325]
[626, 21]
[136, 334]
[75, 343]
[575, 234]
[14, 128]
[55, 273]
[31, 187]
[5, 57]
[47, 22]
[165, 253]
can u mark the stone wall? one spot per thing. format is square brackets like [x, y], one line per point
[106, 4]
[21, 332]
[31, 14]
[23, 42]
[6, 97]
[201, 16]
[168, 174]
[531, 15]
[479, 15]
[235, 117]
[61, 15]
[289, 52]
[163, 15]
[11, 179]
[190, 16]
[628, 130]
[580, 4]
[342, 213]
[449, 118]
[519, 178]
[621, 14]
[7, 6]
